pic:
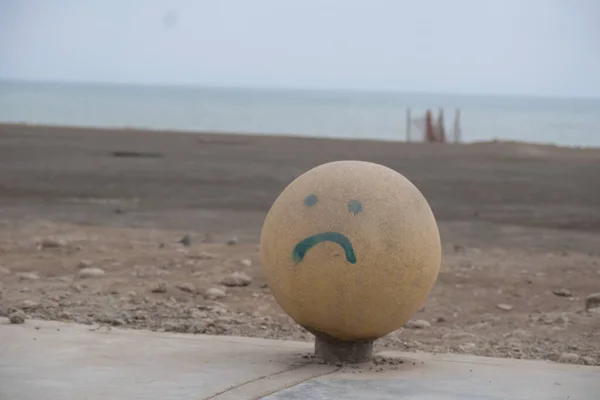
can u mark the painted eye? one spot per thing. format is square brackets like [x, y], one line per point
[355, 206]
[310, 200]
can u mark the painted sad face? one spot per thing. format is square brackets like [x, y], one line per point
[300, 250]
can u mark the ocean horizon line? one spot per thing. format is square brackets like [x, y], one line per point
[296, 89]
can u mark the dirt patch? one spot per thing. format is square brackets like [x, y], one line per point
[85, 238]
[146, 279]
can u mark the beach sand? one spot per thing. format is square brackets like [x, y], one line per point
[520, 226]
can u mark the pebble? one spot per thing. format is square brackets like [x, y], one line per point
[588, 360]
[84, 264]
[28, 276]
[215, 293]
[64, 315]
[17, 317]
[504, 307]
[52, 243]
[186, 240]
[481, 325]
[568, 358]
[29, 304]
[246, 262]
[418, 324]
[117, 322]
[91, 272]
[592, 301]
[4, 271]
[160, 287]
[76, 287]
[236, 279]
[562, 293]
[233, 241]
[186, 287]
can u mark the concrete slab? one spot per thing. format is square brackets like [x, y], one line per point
[454, 377]
[68, 361]
[62, 361]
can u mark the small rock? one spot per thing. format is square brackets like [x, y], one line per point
[160, 287]
[64, 315]
[25, 289]
[214, 294]
[233, 241]
[4, 271]
[77, 288]
[186, 287]
[588, 360]
[17, 317]
[459, 248]
[29, 304]
[52, 243]
[441, 319]
[84, 264]
[467, 347]
[91, 272]
[568, 358]
[504, 307]
[592, 301]
[28, 276]
[418, 324]
[562, 293]
[246, 262]
[186, 240]
[236, 279]
[117, 322]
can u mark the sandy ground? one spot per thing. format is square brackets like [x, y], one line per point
[91, 222]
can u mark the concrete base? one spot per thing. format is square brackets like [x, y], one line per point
[336, 351]
[57, 361]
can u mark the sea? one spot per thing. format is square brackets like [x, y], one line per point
[318, 113]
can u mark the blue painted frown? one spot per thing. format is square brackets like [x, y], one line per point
[300, 250]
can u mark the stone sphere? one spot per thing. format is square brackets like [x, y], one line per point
[350, 250]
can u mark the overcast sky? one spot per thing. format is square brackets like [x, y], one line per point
[539, 47]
